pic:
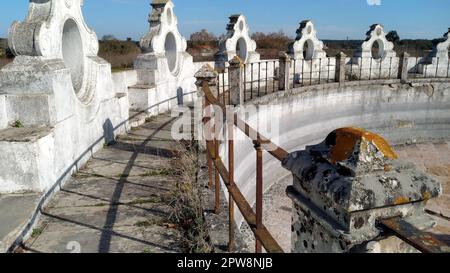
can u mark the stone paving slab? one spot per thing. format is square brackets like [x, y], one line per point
[86, 191]
[143, 133]
[139, 165]
[15, 212]
[118, 202]
[59, 235]
[111, 216]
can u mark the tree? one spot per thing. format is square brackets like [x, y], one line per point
[273, 40]
[393, 36]
[203, 36]
[109, 37]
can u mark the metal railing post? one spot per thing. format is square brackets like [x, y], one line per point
[340, 67]
[230, 129]
[267, 75]
[207, 75]
[259, 78]
[403, 69]
[259, 192]
[255, 220]
[235, 81]
[283, 77]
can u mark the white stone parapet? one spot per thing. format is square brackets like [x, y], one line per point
[376, 58]
[56, 82]
[436, 65]
[309, 57]
[165, 69]
[237, 42]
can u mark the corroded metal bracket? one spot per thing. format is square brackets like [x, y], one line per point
[423, 241]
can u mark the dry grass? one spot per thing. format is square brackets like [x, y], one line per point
[120, 54]
[186, 203]
[120, 62]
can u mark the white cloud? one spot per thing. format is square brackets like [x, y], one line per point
[374, 2]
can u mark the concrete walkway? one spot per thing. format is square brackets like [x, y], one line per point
[118, 202]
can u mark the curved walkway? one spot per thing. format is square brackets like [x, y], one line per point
[118, 201]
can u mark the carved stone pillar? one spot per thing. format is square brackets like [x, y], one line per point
[344, 185]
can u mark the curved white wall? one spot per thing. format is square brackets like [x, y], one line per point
[401, 113]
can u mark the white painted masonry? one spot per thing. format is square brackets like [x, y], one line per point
[310, 58]
[238, 42]
[383, 65]
[60, 92]
[165, 71]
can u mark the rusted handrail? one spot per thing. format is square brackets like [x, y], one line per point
[254, 220]
[423, 241]
[273, 149]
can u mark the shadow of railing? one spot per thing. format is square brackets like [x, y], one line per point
[75, 166]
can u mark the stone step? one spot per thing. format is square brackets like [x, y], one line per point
[137, 118]
[21, 149]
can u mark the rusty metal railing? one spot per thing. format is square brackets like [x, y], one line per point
[423, 241]
[254, 219]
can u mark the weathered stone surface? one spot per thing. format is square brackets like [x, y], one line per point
[30, 134]
[357, 170]
[345, 184]
[278, 212]
[56, 81]
[3, 117]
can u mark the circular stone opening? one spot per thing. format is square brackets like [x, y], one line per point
[241, 49]
[378, 31]
[377, 49]
[169, 16]
[308, 50]
[73, 55]
[170, 47]
[241, 26]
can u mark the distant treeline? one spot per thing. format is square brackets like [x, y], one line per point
[4, 49]
[203, 45]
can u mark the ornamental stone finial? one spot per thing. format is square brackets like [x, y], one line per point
[238, 42]
[163, 22]
[376, 34]
[306, 44]
[441, 49]
[56, 30]
[47, 29]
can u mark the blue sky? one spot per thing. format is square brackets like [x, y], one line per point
[335, 19]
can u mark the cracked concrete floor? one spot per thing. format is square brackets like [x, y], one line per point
[118, 201]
